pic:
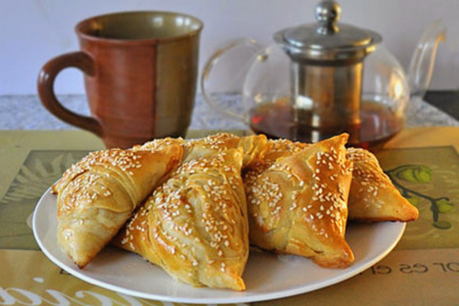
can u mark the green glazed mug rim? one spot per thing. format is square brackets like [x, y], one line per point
[82, 34]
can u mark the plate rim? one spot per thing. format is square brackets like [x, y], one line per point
[243, 299]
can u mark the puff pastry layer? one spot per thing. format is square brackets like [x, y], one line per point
[373, 197]
[298, 204]
[96, 196]
[195, 224]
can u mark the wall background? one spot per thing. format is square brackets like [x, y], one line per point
[33, 31]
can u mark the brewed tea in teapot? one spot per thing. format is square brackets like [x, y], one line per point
[319, 80]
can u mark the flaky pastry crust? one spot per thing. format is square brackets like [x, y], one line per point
[298, 204]
[97, 195]
[373, 197]
[195, 224]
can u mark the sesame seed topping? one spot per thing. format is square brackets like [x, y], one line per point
[211, 179]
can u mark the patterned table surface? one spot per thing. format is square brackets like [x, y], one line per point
[423, 162]
[26, 113]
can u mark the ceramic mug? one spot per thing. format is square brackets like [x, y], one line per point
[140, 72]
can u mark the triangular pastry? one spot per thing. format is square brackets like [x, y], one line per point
[298, 204]
[195, 224]
[97, 195]
[373, 197]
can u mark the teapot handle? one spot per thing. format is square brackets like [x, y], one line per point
[223, 55]
[423, 60]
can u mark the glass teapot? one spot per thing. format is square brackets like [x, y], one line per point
[319, 80]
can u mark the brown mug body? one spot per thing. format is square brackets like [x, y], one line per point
[140, 76]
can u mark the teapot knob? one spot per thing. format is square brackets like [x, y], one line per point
[327, 14]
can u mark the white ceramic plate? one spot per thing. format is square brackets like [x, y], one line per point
[267, 276]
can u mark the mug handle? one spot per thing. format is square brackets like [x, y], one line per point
[252, 47]
[45, 85]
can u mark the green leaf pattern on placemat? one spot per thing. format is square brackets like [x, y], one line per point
[429, 178]
[32, 180]
[421, 174]
[39, 171]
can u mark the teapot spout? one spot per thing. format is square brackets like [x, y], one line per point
[423, 60]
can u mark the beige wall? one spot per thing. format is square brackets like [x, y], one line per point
[32, 31]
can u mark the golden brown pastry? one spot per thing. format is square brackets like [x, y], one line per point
[160, 144]
[97, 195]
[195, 224]
[373, 197]
[282, 147]
[298, 205]
[254, 147]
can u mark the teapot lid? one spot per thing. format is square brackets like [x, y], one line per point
[327, 39]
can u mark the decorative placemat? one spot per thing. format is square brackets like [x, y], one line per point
[423, 269]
